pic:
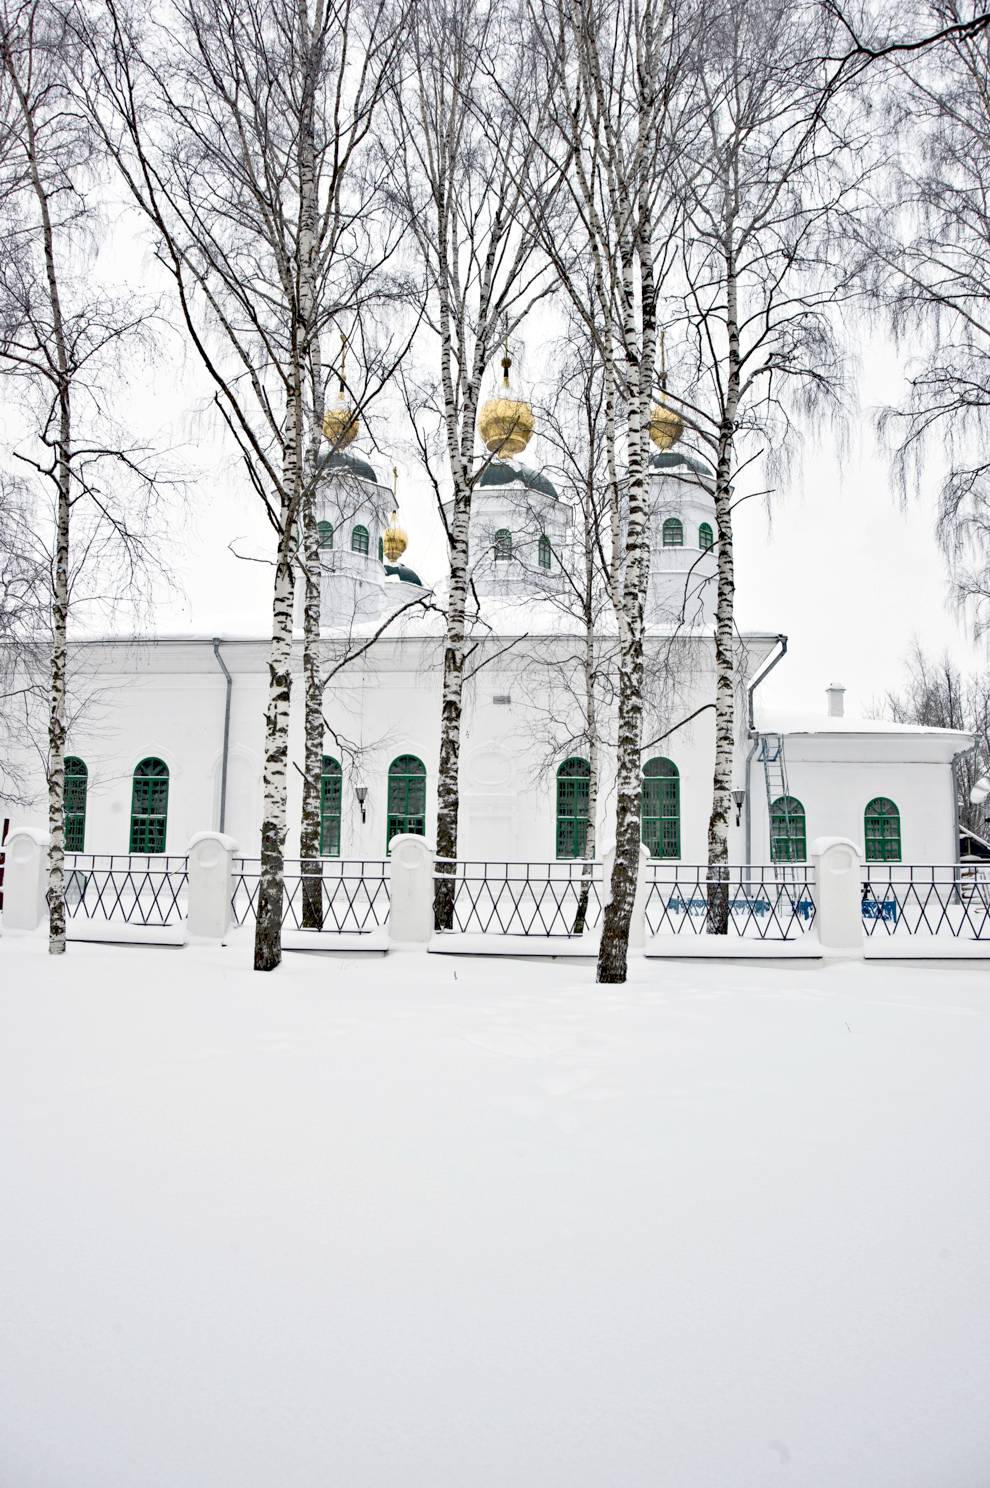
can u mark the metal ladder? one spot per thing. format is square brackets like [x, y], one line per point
[775, 775]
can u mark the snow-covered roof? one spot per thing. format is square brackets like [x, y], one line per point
[772, 721]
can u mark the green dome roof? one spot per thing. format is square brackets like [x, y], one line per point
[352, 465]
[505, 473]
[403, 574]
[673, 459]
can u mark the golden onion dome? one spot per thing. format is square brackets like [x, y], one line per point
[394, 540]
[666, 426]
[505, 423]
[341, 425]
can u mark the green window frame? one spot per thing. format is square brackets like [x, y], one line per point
[661, 808]
[673, 533]
[359, 540]
[74, 803]
[788, 831]
[882, 830]
[331, 787]
[706, 537]
[149, 806]
[324, 534]
[503, 543]
[406, 797]
[544, 551]
[573, 800]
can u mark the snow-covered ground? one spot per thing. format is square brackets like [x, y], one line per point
[428, 1222]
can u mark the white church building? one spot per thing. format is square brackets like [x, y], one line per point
[168, 741]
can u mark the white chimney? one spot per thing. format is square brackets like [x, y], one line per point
[835, 700]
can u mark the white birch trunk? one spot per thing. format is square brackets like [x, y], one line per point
[718, 823]
[614, 947]
[271, 886]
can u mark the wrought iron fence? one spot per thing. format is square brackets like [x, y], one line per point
[130, 888]
[350, 895]
[950, 899]
[495, 897]
[773, 901]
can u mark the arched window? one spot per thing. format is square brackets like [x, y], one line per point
[406, 797]
[324, 534]
[788, 831]
[673, 533]
[544, 551]
[76, 785]
[149, 807]
[706, 537]
[503, 543]
[882, 824]
[661, 810]
[359, 540]
[572, 808]
[330, 787]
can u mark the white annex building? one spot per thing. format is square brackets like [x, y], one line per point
[168, 741]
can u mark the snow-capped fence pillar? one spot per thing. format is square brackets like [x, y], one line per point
[838, 896]
[637, 924]
[211, 860]
[410, 915]
[25, 880]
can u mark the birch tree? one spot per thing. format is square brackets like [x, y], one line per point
[766, 185]
[60, 339]
[617, 72]
[240, 131]
[929, 247]
[466, 117]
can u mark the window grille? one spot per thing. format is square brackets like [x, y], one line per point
[673, 533]
[545, 551]
[359, 540]
[661, 808]
[406, 797]
[76, 787]
[788, 831]
[573, 792]
[331, 782]
[706, 537]
[149, 807]
[882, 830]
[324, 534]
[503, 543]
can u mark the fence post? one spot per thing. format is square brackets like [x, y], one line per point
[637, 924]
[211, 856]
[25, 880]
[410, 915]
[838, 895]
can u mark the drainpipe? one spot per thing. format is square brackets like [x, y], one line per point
[226, 732]
[764, 672]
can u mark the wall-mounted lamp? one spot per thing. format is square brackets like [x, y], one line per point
[361, 791]
[739, 797]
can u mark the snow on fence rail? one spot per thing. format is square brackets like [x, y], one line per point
[499, 897]
[951, 899]
[346, 894]
[768, 901]
[127, 888]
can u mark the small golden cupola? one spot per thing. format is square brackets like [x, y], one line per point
[666, 424]
[394, 540]
[506, 423]
[341, 425]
